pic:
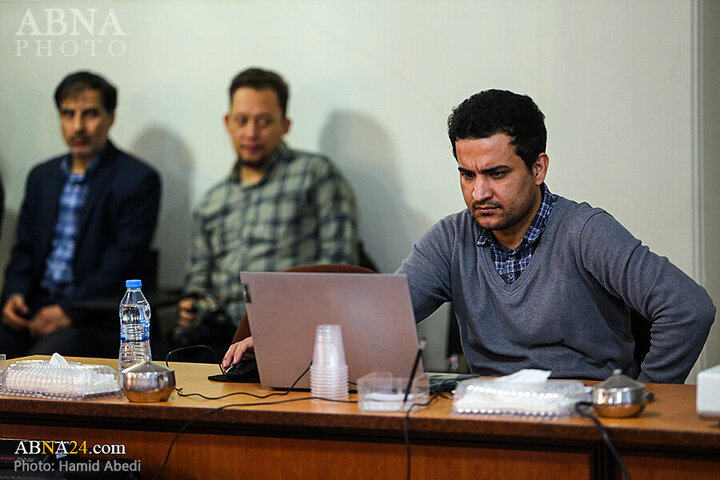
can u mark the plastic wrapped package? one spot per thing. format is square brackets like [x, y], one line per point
[554, 398]
[60, 381]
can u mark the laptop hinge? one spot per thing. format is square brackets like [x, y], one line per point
[246, 292]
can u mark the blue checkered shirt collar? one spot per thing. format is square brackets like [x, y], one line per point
[511, 263]
[66, 167]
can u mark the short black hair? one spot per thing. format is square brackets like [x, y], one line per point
[499, 111]
[259, 79]
[77, 82]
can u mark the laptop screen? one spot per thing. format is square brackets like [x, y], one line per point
[373, 310]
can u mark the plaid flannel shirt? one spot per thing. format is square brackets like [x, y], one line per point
[301, 212]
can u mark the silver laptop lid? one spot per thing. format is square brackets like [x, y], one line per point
[373, 310]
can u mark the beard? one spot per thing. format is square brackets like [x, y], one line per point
[255, 164]
[503, 218]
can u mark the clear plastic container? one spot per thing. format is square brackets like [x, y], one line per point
[70, 381]
[381, 392]
[553, 398]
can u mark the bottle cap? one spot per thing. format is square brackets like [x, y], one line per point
[133, 283]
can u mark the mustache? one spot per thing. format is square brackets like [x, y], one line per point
[486, 204]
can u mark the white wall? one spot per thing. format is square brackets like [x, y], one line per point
[710, 110]
[372, 84]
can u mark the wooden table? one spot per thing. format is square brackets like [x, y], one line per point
[315, 439]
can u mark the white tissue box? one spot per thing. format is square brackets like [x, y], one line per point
[708, 393]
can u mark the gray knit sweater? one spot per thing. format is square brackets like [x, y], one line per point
[568, 311]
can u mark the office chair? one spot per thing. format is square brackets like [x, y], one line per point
[640, 328]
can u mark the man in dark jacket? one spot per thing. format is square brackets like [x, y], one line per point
[85, 226]
[2, 204]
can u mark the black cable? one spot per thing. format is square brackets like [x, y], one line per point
[193, 347]
[207, 412]
[579, 408]
[406, 433]
[406, 418]
[411, 379]
[223, 407]
[416, 362]
[260, 397]
[219, 363]
[406, 438]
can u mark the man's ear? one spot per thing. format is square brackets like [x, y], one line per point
[286, 125]
[540, 168]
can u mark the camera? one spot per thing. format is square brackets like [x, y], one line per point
[211, 326]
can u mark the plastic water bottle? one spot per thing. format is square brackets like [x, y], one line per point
[134, 327]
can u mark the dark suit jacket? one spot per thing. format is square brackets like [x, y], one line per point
[2, 203]
[114, 234]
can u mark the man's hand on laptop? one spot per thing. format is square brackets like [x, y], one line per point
[243, 349]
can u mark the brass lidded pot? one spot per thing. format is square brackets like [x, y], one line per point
[148, 382]
[619, 396]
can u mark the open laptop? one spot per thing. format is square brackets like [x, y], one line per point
[373, 310]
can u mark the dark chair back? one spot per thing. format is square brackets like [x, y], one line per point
[364, 259]
[640, 327]
[149, 273]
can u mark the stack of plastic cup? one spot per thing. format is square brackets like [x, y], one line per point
[329, 372]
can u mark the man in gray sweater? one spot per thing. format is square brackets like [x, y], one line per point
[540, 281]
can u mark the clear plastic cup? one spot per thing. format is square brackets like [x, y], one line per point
[329, 371]
[329, 349]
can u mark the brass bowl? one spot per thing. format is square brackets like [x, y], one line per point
[619, 402]
[148, 382]
[619, 397]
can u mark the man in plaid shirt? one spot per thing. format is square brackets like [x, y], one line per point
[278, 208]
